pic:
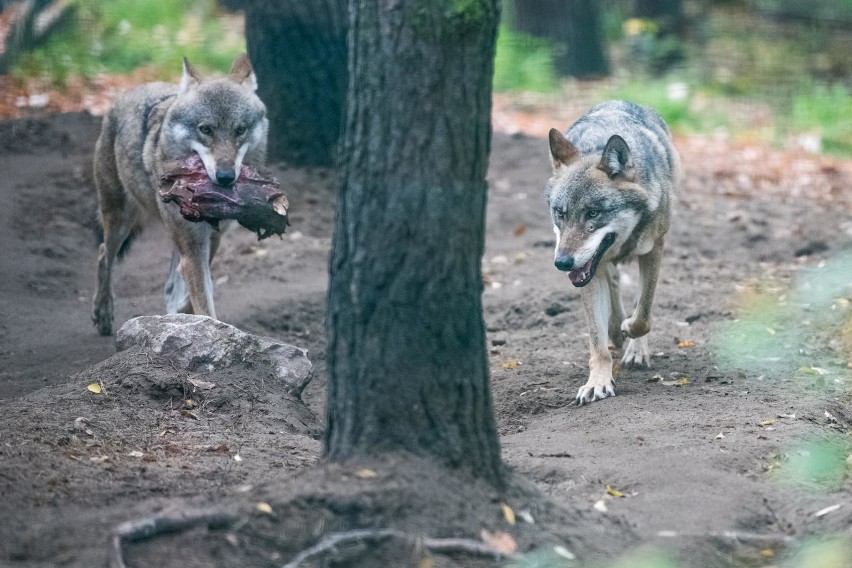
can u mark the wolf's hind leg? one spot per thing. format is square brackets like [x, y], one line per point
[637, 354]
[177, 296]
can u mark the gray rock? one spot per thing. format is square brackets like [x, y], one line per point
[201, 343]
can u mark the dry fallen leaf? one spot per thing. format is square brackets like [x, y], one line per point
[564, 552]
[511, 364]
[676, 383]
[188, 414]
[767, 553]
[508, 514]
[499, 541]
[264, 507]
[768, 422]
[528, 518]
[189, 404]
[366, 474]
[613, 491]
[686, 344]
[203, 385]
[95, 388]
[827, 510]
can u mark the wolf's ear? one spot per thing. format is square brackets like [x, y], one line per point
[616, 160]
[561, 150]
[242, 72]
[190, 77]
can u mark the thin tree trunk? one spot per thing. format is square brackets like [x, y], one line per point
[298, 50]
[407, 360]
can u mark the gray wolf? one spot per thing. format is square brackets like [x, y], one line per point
[224, 122]
[615, 176]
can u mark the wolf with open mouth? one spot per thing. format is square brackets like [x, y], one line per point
[615, 176]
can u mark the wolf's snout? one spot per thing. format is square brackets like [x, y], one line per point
[564, 262]
[225, 177]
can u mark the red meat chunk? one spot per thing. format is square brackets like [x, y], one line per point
[256, 203]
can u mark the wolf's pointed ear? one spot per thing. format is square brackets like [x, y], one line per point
[190, 77]
[242, 72]
[561, 150]
[616, 160]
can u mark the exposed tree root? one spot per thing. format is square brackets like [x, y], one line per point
[150, 527]
[438, 545]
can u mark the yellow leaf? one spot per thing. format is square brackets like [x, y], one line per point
[511, 364]
[366, 474]
[95, 388]
[614, 492]
[675, 382]
[264, 507]
[686, 344]
[769, 422]
[767, 553]
[500, 541]
[508, 514]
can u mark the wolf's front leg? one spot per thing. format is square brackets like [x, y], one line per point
[596, 302]
[637, 326]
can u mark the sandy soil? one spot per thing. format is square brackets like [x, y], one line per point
[693, 461]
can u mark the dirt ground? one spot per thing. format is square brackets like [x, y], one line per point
[689, 465]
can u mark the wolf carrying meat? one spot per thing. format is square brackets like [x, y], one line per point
[148, 131]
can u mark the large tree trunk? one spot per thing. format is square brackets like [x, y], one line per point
[574, 28]
[298, 49]
[407, 360]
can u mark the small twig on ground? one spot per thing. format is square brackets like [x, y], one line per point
[439, 545]
[150, 527]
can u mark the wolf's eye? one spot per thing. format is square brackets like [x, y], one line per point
[240, 130]
[206, 130]
[559, 213]
[593, 213]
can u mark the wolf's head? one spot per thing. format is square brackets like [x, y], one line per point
[595, 204]
[222, 120]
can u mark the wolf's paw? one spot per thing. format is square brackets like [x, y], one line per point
[635, 328]
[593, 391]
[102, 318]
[637, 354]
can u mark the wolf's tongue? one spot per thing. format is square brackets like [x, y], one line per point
[580, 274]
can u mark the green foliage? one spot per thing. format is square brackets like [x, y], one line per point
[112, 36]
[829, 111]
[818, 462]
[523, 63]
[822, 553]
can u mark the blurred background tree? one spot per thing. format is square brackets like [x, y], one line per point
[298, 50]
[773, 71]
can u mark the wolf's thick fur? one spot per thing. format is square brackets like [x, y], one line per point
[150, 127]
[615, 175]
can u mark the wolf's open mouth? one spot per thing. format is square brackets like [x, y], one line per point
[581, 276]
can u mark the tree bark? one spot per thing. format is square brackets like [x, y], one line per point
[573, 26]
[298, 50]
[407, 360]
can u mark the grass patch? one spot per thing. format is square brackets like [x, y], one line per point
[523, 63]
[117, 37]
[828, 111]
